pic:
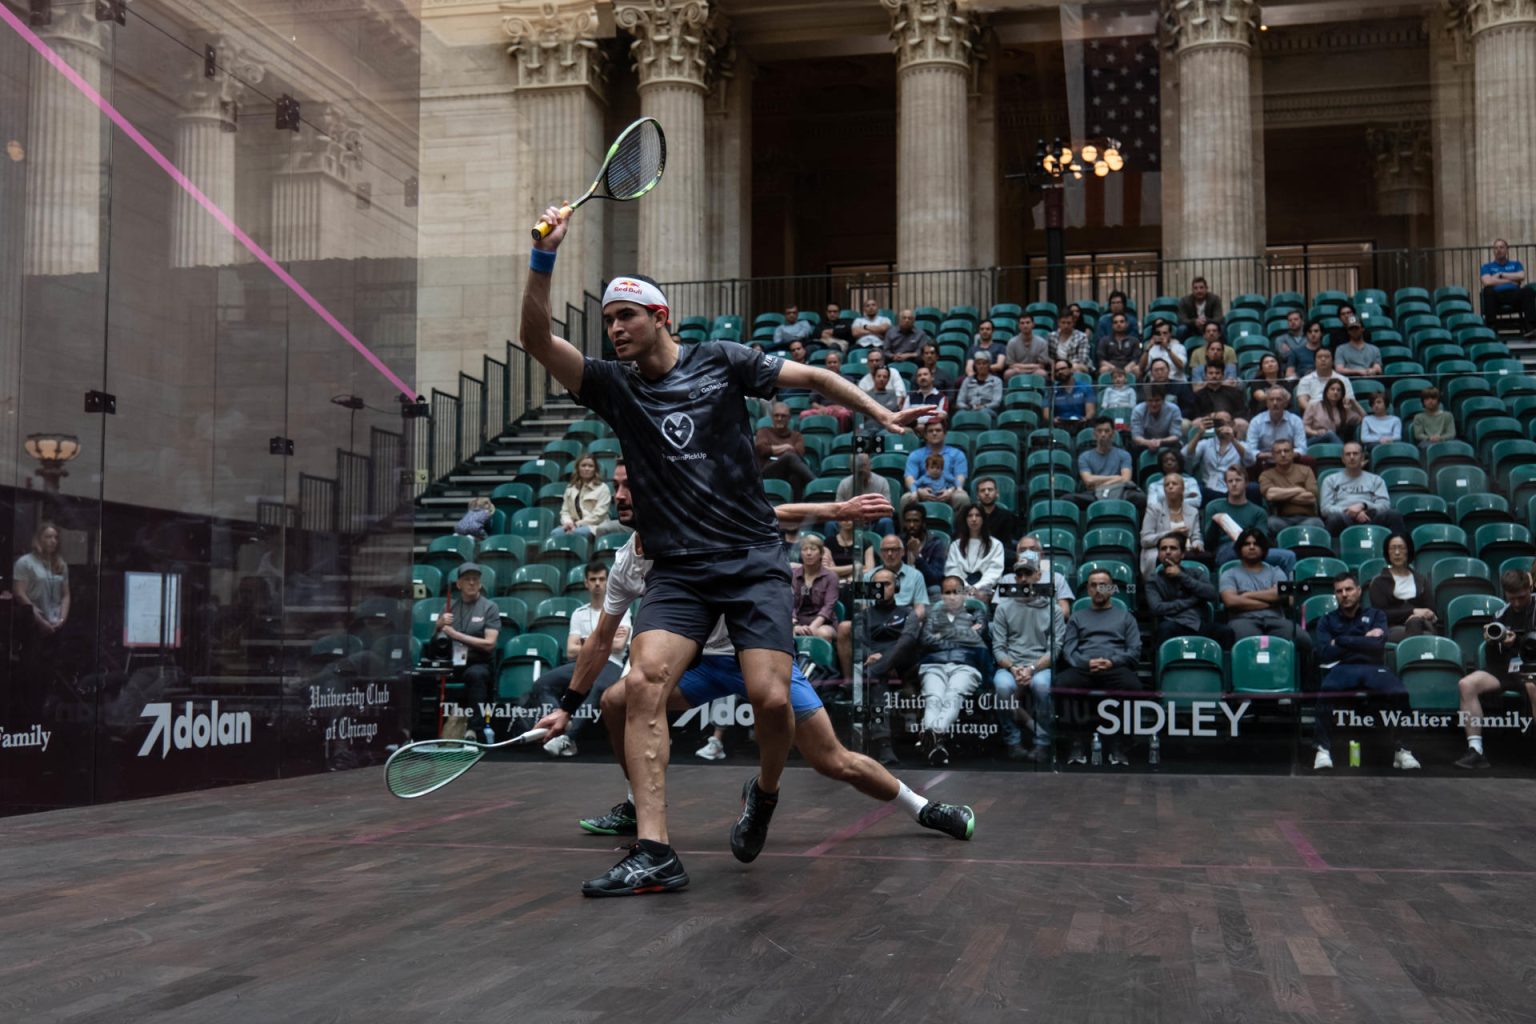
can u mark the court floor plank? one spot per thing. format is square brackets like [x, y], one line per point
[1082, 898]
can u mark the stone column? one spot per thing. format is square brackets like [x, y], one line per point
[1171, 137]
[313, 192]
[1256, 133]
[728, 131]
[933, 75]
[1503, 34]
[672, 51]
[205, 152]
[65, 149]
[561, 70]
[1213, 41]
[1404, 169]
[1451, 120]
[983, 156]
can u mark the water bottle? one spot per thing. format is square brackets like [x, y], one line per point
[1354, 753]
[1098, 750]
[1154, 751]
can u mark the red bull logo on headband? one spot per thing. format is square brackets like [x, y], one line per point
[627, 289]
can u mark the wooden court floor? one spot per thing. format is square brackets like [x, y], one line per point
[1083, 898]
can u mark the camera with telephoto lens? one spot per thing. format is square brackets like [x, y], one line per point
[1498, 633]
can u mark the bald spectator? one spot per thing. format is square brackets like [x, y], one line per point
[903, 341]
[876, 361]
[781, 452]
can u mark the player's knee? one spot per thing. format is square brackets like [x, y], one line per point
[773, 700]
[612, 701]
[647, 673]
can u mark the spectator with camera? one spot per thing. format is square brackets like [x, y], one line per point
[888, 635]
[1507, 648]
[1027, 631]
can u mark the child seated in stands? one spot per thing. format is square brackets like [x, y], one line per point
[1118, 394]
[474, 522]
[935, 484]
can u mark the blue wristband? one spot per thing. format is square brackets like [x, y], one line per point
[541, 261]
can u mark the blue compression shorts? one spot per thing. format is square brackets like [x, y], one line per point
[719, 675]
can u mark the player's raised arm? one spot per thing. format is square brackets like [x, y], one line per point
[559, 357]
[846, 393]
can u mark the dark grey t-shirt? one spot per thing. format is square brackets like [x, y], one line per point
[687, 444]
[474, 619]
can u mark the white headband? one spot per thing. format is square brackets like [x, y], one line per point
[642, 293]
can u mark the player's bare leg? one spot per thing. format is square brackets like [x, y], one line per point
[766, 673]
[657, 661]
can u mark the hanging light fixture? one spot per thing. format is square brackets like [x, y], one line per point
[52, 451]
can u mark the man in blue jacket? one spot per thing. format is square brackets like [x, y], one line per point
[1351, 642]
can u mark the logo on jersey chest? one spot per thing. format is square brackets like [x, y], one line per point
[678, 428]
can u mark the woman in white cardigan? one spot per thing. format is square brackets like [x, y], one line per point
[1171, 515]
[585, 504]
[975, 555]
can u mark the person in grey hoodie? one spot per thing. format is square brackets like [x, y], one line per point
[1355, 496]
[1099, 652]
[1027, 631]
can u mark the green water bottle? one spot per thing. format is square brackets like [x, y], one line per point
[1354, 753]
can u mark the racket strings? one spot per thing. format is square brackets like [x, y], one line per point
[413, 771]
[637, 162]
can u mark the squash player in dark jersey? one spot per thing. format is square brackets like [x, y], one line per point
[681, 418]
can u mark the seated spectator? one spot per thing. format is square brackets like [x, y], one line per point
[955, 467]
[1069, 400]
[1433, 424]
[1027, 352]
[1276, 423]
[797, 353]
[1119, 348]
[1001, 523]
[989, 347]
[1302, 360]
[1070, 343]
[1250, 591]
[1106, 322]
[1214, 351]
[1504, 671]
[1229, 517]
[888, 634]
[1310, 388]
[1289, 489]
[864, 481]
[1059, 585]
[781, 452]
[935, 484]
[479, 515]
[1099, 651]
[925, 552]
[793, 328]
[925, 392]
[1200, 308]
[553, 681]
[1180, 600]
[1403, 594]
[814, 584]
[1505, 289]
[1161, 344]
[1354, 495]
[841, 544]
[954, 651]
[1295, 337]
[886, 394]
[928, 358]
[1172, 515]
[1155, 423]
[869, 330]
[911, 588]
[1332, 418]
[1175, 388]
[1027, 631]
[584, 506]
[1104, 469]
[1266, 377]
[982, 390]
[1351, 652]
[471, 626]
[835, 332]
[1380, 427]
[1171, 460]
[1213, 451]
[1357, 357]
[975, 556]
[876, 362]
[819, 406]
[903, 341]
[1118, 394]
[1219, 393]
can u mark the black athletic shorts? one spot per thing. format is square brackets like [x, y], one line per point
[750, 587]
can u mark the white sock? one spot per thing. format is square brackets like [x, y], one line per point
[910, 801]
[629, 792]
[1476, 743]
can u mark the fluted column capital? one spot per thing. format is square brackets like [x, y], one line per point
[674, 39]
[1191, 23]
[1470, 17]
[555, 44]
[336, 149]
[76, 25]
[931, 32]
[219, 97]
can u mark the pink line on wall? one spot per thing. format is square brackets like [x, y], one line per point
[51, 56]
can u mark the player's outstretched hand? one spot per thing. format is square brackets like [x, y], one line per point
[902, 421]
[863, 508]
[555, 722]
[552, 240]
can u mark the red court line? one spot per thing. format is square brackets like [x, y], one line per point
[1304, 849]
[879, 813]
[224, 219]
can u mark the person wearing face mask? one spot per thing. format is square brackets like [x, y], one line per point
[954, 648]
[1099, 651]
[1027, 631]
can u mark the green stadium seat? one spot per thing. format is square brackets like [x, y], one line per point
[1001, 440]
[566, 551]
[1315, 607]
[1453, 576]
[551, 497]
[426, 581]
[1110, 543]
[1496, 543]
[972, 419]
[1306, 541]
[1403, 481]
[1044, 515]
[1049, 437]
[334, 647]
[424, 615]
[510, 497]
[1315, 575]
[535, 583]
[514, 614]
[487, 580]
[1435, 541]
[819, 650]
[533, 524]
[1466, 615]
[524, 658]
[1474, 511]
[1049, 486]
[779, 491]
[1049, 460]
[447, 553]
[939, 516]
[397, 653]
[1122, 572]
[1108, 512]
[1455, 482]
[1263, 664]
[1430, 668]
[1521, 485]
[1504, 457]
[1357, 544]
[552, 618]
[1394, 454]
[1326, 456]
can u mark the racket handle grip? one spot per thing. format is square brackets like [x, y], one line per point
[533, 735]
[542, 229]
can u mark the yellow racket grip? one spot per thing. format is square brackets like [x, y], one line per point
[542, 229]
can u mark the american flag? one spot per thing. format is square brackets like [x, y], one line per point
[1121, 88]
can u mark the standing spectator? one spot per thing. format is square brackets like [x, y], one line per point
[1295, 337]
[1027, 631]
[1001, 523]
[1290, 490]
[888, 635]
[1505, 289]
[477, 518]
[1357, 357]
[926, 392]
[875, 363]
[814, 584]
[1161, 344]
[1333, 417]
[988, 348]
[1219, 394]
[1250, 591]
[1266, 378]
[1070, 343]
[1069, 400]
[982, 390]
[584, 506]
[1180, 600]
[925, 551]
[1117, 304]
[1276, 423]
[1433, 424]
[1357, 496]
[903, 341]
[1214, 451]
[1310, 388]
[1059, 585]
[1302, 360]
[40, 579]
[471, 625]
[954, 647]
[781, 451]
[1505, 669]
[1154, 423]
[1351, 649]
[1380, 427]
[1403, 593]
[1172, 515]
[955, 466]
[1118, 394]
[553, 681]
[975, 556]
[1099, 651]
[1199, 308]
[1104, 469]
[1230, 517]
[1119, 348]
[869, 330]
[1026, 352]
[820, 407]
[793, 328]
